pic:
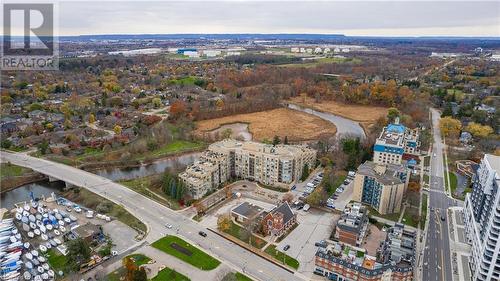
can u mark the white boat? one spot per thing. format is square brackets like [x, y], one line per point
[4, 239]
[25, 219]
[40, 269]
[34, 204]
[26, 213]
[26, 245]
[32, 225]
[44, 237]
[42, 259]
[26, 275]
[51, 273]
[37, 232]
[57, 241]
[42, 228]
[38, 278]
[26, 227]
[56, 232]
[67, 220]
[40, 210]
[62, 229]
[32, 218]
[58, 216]
[49, 227]
[53, 243]
[19, 209]
[61, 223]
[15, 231]
[19, 216]
[45, 276]
[28, 265]
[11, 276]
[48, 245]
[39, 223]
[31, 234]
[13, 239]
[46, 266]
[18, 236]
[26, 207]
[28, 255]
[34, 253]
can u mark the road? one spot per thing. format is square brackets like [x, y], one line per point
[156, 216]
[437, 260]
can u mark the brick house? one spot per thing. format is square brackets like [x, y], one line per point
[278, 220]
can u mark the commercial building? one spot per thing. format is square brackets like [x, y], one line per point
[381, 186]
[394, 260]
[352, 225]
[396, 143]
[482, 220]
[276, 165]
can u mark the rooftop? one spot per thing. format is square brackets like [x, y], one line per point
[494, 162]
[247, 210]
[385, 174]
[354, 219]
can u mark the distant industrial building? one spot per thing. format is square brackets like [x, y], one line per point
[381, 186]
[395, 259]
[352, 225]
[279, 165]
[396, 143]
[482, 220]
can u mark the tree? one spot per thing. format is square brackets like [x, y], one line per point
[140, 275]
[305, 172]
[478, 130]
[178, 109]
[450, 127]
[156, 102]
[43, 146]
[224, 223]
[392, 113]
[413, 186]
[448, 111]
[117, 129]
[130, 267]
[276, 140]
[288, 197]
[91, 118]
[286, 140]
[78, 253]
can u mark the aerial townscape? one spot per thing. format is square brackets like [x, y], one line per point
[208, 145]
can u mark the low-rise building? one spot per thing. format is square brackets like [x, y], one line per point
[278, 220]
[381, 186]
[394, 261]
[245, 212]
[352, 225]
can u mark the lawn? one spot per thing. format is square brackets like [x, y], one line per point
[172, 148]
[427, 161]
[453, 182]
[242, 277]
[340, 178]
[91, 200]
[264, 125]
[139, 259]
[236, 231]
[282, 257]
[186, 252]
[423, 215]
[169, 274]
[11, 170]
[410, 217]
[147, 187]
[392, 217]
[56, 260]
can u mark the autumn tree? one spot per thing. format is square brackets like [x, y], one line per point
[450, 127]
[91, 118]
[478, 130]
[117, 129]
[178, 109]
[288, 197]
[224, 222]
[156, 102]
[413, 186]
[392, 113]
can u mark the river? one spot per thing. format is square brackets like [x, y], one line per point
[45, 188]
[345, 127]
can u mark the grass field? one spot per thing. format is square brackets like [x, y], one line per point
[424, 211]
[169, 274]
[280, 122]
[242, 277]
[280, 256]
[410, 217]
[361, 113]
[146, 187]
[392, 217]
[11, 170]
[235, 231]
[56, 260]
[453, 182]
[197, 258]
[171, 148]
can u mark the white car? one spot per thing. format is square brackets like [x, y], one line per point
[169, 226]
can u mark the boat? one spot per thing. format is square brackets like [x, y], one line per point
[56, 232]
[58, 216]
[40, 269]
[19, 209]
[32, 225]
[62, 229]
[57, 241]
[43, 228]
[67, 220]
[28, 255]
[39, 223]
[35, 262]
[26, 275]
[15, 231]
[37, 231]
[38, 278]
[53, 243]
[26, 207]
[43, 248]
[32, 218]
[19, 216]
[13, 239]
[45, 276]
[44, 237]
[24, 219]
[46, 266]
[63, 214]
[25, 213]
[48, 226]
[11, 276]
[34, 253]
[34, 204]
[26, 227]
[28, 265]
[31, 234]
[40, 210]
[51, 273]
[61, 223]
[48, 245]
[42, 259]
[18, 236]
[26, 245]
[72, 218]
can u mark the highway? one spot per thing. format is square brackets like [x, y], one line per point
[437, 258]
[156, 216]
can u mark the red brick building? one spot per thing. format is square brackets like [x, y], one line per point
[278, 220]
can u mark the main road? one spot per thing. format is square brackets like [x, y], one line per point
[437, 261]
[155, 216]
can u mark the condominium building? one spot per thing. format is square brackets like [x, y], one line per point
[482, 220]
[277, 165]
[381, 186]
[395, 259]
[395, 143]
[353, 223]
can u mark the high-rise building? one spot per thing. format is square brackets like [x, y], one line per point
[381, 186]
[396, 143]
[482, 220]
[276, 165]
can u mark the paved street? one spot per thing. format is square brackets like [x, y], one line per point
[155, 216]
[437, 261]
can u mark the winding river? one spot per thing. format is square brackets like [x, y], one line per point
[345, 127]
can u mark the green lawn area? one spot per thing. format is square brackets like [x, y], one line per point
[338, 181]
[139, 259]
[392, 217]
[426, 179]
[145, 187]
[453, 182]
[410, 217]
[169, 274]
[236, 232]
[424, 211]
[242, 277]
[197, 257]
[185, 81]
[280, 257]
[172, 148]
[11, 170]
[56, 260]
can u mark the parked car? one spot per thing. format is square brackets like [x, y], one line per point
[346, 182]
[168, 225]
[321, 243]
[286, 247]
[293, 187]
[306, 207]
[202, 234]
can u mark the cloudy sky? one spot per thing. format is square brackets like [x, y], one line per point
[372, 18]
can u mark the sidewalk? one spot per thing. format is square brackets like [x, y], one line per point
[460, 250]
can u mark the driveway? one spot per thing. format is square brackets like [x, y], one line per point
[314, 225]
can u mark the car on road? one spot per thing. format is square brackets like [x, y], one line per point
[293, 187]
[202, 234]
[432, 209]
[169, 226]
[114, 253]
[443, 218]
[434, 154]
[286, 247]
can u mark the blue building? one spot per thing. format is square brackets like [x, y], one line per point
[395, 143]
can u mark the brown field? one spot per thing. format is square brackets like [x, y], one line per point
[280, 122]
[361, 113]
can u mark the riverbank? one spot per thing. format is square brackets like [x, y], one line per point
[13, 176]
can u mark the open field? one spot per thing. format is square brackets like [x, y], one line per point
[264, 125]
[360, 113]
[10, 170]
[184, 251]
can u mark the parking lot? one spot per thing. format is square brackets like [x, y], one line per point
[314, 225]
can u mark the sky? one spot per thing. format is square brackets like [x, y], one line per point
[372, 18]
